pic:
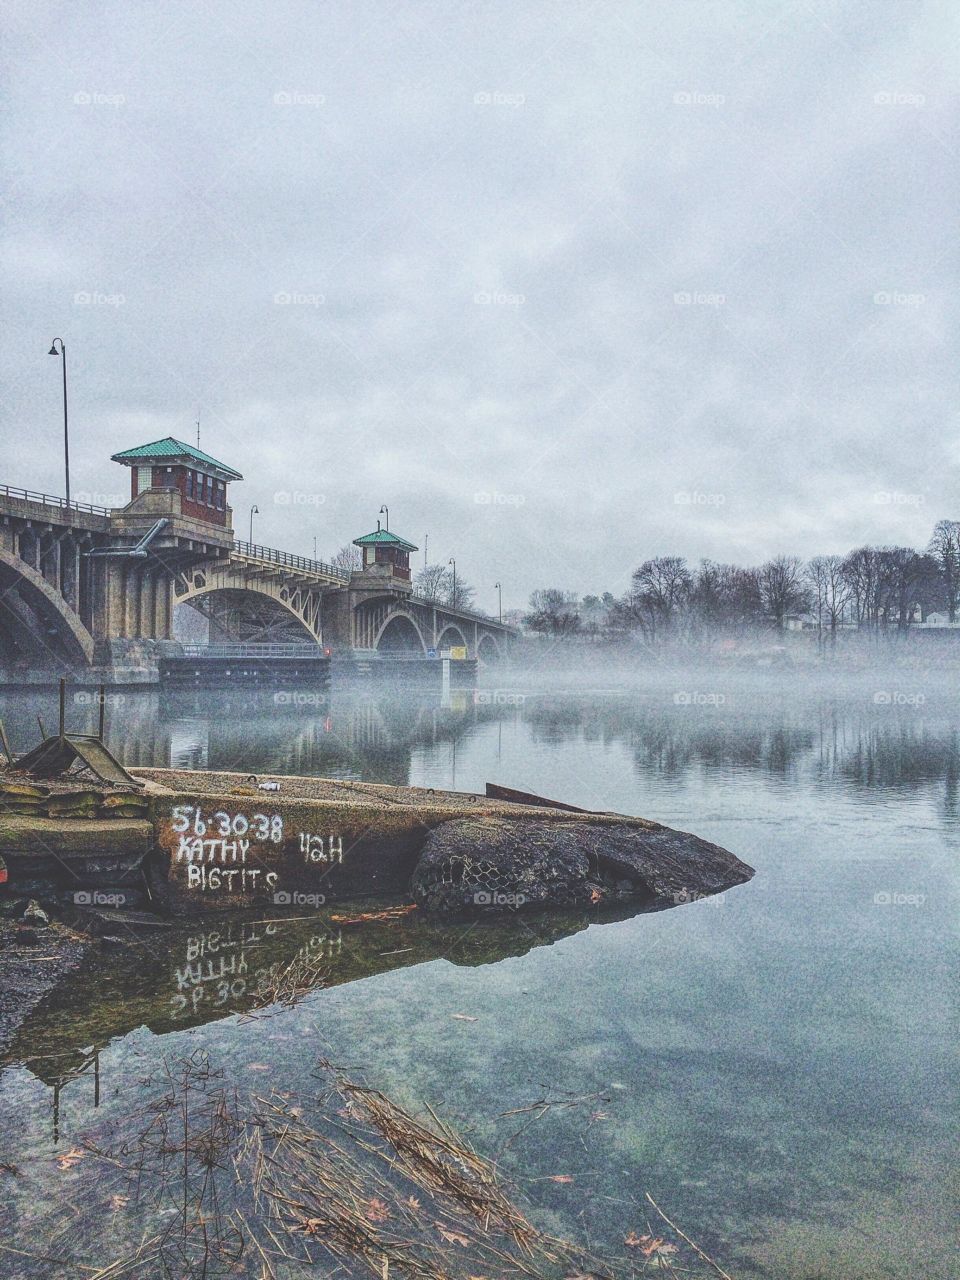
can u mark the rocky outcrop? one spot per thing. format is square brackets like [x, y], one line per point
[476, 865]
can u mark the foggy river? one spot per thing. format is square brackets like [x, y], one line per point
[776, 1066]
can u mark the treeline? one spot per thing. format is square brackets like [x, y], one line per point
[875, 588]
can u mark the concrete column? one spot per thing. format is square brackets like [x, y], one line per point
[163, 606]
[149, 613]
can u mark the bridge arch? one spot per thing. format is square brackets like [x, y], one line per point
[400, 634]
[451, 636]
[251, 610]
[33, 613]
[488, 650]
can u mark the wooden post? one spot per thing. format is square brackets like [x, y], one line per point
[63, 707]
[102, 710]
[6, 744]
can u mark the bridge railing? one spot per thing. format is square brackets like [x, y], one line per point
[460, 612]
[253, 650]
[51, 500]
[290, 561]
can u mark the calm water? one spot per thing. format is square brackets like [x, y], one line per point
[776, 1067]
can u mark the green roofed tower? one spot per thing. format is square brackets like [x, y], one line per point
[385, 556]
[169, 464]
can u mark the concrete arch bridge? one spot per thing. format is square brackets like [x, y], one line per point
[90, 592]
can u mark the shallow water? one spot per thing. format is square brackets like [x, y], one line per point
[775, 1066]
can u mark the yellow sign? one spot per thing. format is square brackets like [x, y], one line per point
[458, 651]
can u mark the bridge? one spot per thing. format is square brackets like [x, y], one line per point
[90, 591]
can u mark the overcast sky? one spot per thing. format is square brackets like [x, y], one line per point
[565, 285]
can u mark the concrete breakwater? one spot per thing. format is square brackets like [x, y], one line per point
[224, 841]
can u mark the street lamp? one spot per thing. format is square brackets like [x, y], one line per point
[254, 511]
[453, 594]
[385, 510]
[62, 353]
[425, 538]
[500, 598]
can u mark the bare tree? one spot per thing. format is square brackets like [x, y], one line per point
[830, 589]
[553, 612]
[945, 549]
[659, 592]
[435, 582]
[432, 582]
[783, 589]
[348, 558]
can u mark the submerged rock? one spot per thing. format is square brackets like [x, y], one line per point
[474, 865]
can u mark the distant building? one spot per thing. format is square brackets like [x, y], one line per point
[168, 464]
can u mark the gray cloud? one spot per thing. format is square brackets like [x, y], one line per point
[565, 286]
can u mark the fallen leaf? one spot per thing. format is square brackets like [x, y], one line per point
[119, 1202]
[311, 1225]
[377, 1210]
[560, 1177]
[257, 1066]
[599, 1115]
[595, 895]
[647, 1245]
[67, 1159]
[452, 1237]
[463, 1017]
[413, 1202]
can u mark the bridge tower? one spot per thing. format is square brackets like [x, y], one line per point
[169, 465]
[177, 517]
[386, 562]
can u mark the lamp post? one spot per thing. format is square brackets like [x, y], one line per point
[499, 599]
[62, 353]
[254, 511]
[385, 510]
[425, 537]
[453, 594]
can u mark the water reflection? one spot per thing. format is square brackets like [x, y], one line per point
[186, 977]
[374, 734]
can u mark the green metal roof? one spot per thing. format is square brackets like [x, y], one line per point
[382, 538]
[168, 447]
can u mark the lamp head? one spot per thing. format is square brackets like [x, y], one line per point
[53, 349]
